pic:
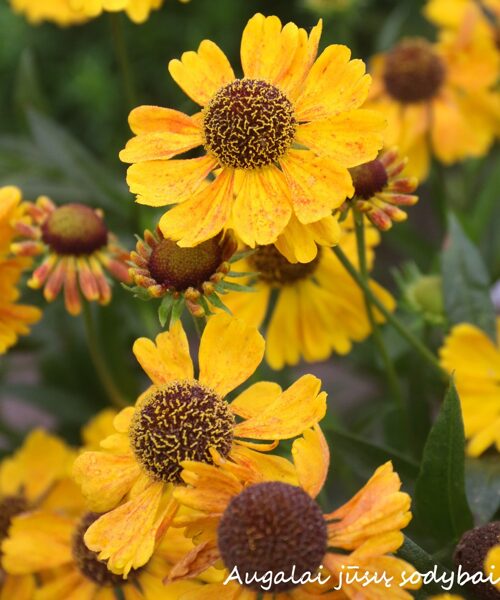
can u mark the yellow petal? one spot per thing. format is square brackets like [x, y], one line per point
[105, 478]
[159, 183]
[126, 535]
[203, 215]
[350, 138]
[335, 84]
[299, 407]
[98, 428]
[196, 561]
[20, 587]
[167, 359]
[262, 207]
[311, 457]
[283, 334]
[251, 307]
[200, 74]
[299, 242]
[255, 399]
[230, 351]
[492, 565]
[36, 542]
[65, 586]
[268, 467]
[318, 185]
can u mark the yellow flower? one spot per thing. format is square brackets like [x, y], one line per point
[480, 16]
[50, 544]
[279, 141]
[60, 12]
[381, 190]
[75, 244]
[99, 427]
[182, 417]
[183, 277]
[137, 10]
[319, 308]
[438, 98]
[475, 361]
[263, 520]
[492, 565]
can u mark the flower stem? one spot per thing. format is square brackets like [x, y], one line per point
[97, 356]
[390, 318]
[390, 371]
[123, 59]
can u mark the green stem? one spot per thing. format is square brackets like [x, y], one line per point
[390, 371]
[122, 57]
[99, 361]
[390, 318]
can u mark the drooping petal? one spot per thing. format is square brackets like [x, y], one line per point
[167, 358]
[262, 207]
[318, 185]
[105, 478]
[311, 457]
[203, 216]
[350, 138]
[201, 74]
[335, 84]
[255, 399]
[250, 307]
[159, 183]
[283, 334]
[299, 407]
[230, 351]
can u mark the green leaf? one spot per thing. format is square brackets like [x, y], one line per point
[165, 309]
[441, 506]
[216, 301]
[177, 308]
[466, 283]
[234, 287]
[482, 477]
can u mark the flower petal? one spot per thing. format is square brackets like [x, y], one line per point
[201, 74]
[299, 407]
[334, 84]
[105, 478]
[318, 185]
[262, 207]
[167, 358]
[268, 466]
[311, 457]
[230, 351]
[350, 138]
[158, 183]
[202, 216]
[196, 561]
[255, 399]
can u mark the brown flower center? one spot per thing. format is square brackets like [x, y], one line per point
[274, 269]
[413, 71]
[10, 507]
[248, 124]
[471, 554]
[369, 178]
[74, 229]
[273, 527]
[180, 421]
[87, 562]
[181, 268]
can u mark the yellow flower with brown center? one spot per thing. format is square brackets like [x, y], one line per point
[438, 99]
[279, 141]
[319, 309]
[75, 245]
[15, 318]
[380, 191]
[181, 417]
[60, 12]
[137, 10]
[268, 521]
[474, 360]
[191, 277]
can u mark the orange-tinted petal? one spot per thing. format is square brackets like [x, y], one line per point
[311, 457]
[255, 399]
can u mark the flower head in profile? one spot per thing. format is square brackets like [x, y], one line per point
[263, 521]
[439, 98]
[137, 10]
[279, 141]
[60, 12]
[475, 361]
[76, 249]
[15, 318]
[183, 417]
[381, 191]
[183, 277]
[319, 309]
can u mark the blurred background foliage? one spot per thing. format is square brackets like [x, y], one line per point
[63, 119]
